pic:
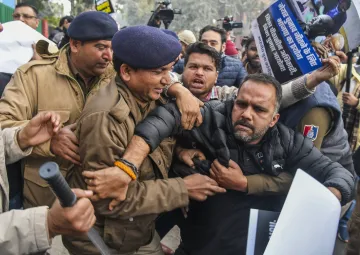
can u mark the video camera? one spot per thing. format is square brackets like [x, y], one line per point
[229, 24]
[163, 12]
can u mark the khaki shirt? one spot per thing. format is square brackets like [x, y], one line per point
[44, 85]
[105, 128]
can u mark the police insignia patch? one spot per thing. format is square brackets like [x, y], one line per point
[311, 132]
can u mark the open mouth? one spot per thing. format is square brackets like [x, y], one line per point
[197, 83]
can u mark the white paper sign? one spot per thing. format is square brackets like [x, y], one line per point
[16, 42]
[308, 221]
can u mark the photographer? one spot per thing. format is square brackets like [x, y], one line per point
[31, 230]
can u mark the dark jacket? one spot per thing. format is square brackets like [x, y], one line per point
[281, 145]
[208, 230]
[179, 66]
[231, 73]
[54, 32]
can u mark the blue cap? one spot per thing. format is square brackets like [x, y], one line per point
[91, 26]
[172, 33]
[145, 47]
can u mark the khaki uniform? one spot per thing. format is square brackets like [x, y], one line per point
[105, 128]
[319, 117]
[22, 231]
[44, 85]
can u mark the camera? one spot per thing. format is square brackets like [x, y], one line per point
[163, 13]
[229, 24]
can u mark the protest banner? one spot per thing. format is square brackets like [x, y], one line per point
[284, 50]
[104, 6]
[346, 21]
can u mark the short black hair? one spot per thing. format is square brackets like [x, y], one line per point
[68, 18]
[117, 64]
[348, 3]
[249, 41]
[218, 30]
[267, 79]
[199, 47]
[27, 5]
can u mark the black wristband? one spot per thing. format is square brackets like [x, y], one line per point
[131, 165]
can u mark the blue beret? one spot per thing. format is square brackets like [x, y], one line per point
[145, 47]
[172, 33]
[91, 26]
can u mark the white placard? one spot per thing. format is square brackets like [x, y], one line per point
[16, 42]
[308, 221]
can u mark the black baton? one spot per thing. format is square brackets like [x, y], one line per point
[50, 173]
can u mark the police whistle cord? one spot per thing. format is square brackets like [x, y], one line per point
[50, 173]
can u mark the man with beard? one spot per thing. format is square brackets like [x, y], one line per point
[242, 139]
[231, 72]
[201, 65]
[252, 61]
[319, 118]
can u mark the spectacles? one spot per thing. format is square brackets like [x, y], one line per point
[17, 16]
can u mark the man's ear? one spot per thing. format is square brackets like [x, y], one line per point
[74, 45]
[275, 119]
[223, 47]
[125, 72]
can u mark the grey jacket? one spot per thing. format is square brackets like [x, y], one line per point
[21, 232]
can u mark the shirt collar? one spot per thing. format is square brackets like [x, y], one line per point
[213, 95]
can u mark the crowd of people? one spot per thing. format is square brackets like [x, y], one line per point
[153, 129]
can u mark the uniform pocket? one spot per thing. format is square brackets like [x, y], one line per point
[64, 116]
[129, 235]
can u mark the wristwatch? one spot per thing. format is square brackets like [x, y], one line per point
[173, 79]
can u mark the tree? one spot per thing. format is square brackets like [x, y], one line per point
[195, 13]
[79, 6]
[49, 10]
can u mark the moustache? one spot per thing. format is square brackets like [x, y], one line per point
[245, 124]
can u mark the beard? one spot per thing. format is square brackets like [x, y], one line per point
[254, 64]
[257, 133]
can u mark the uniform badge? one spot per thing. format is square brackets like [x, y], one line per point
[311, 132]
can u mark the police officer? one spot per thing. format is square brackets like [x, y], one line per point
[61, 83]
